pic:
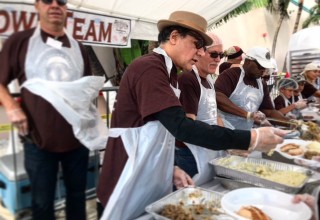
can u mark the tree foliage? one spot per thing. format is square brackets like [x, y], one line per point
[314, 17]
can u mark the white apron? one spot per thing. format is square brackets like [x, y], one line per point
[295, 112]
[246, 97]
[147, 175]
[207, 112]
[55, 73]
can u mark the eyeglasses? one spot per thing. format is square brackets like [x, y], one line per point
[215, 54]
[200, 42]
[60, 2]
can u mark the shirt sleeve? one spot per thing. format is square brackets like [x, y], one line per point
[266, 101]
[190, 92]
[87, 71]
[279, 103]
[201, 134]
[227, 82]
[152, 89]
[308, 90]
[9, 60]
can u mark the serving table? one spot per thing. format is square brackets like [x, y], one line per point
[217, 185]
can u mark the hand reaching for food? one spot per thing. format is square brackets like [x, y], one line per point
[181, 178]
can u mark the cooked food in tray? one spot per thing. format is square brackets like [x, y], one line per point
[189, 203]
[286, 177]
[261, 172]
[187, 212]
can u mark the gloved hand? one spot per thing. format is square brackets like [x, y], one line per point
[265, 123]
[266, 138]
[309, 200]
[181, 179]
[300, 104]
[295, 124]
[258, 117]
[19, 120]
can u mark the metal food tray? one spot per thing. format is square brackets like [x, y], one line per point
[256, 180]
[183, 195]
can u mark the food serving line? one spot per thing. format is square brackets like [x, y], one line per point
[300, 173]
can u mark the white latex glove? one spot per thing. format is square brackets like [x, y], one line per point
[18, 118]
[181, 179]
[266, 138]
[300, 104]
[258, 117]
[265, 123]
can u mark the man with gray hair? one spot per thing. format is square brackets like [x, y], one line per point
[198, 99]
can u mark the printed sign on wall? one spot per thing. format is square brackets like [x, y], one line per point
[87, 27]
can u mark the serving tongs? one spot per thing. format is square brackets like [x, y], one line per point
[293, 125]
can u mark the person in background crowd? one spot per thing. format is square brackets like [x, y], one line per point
[271, 76]
[50, 67]
[310, 73]
[297, 92]
[138, 163]
[198, 100]
[242, 97]
[233, 58]
[218, 44]
[284, 102]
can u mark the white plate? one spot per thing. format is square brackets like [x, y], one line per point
[313, 109]
[300, 160]
[301, 143]
[277, 205]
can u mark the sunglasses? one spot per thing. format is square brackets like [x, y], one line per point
[216, 54]
[266, 77]
[60, 2]
[200, 42]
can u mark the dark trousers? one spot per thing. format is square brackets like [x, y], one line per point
[184, 159]
[42, 168]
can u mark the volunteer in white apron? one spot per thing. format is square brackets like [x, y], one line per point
[59, 84]
[282, 103]
[155, 155]
[242, 96]
[207, 112]
[246, 97]
[310, 90]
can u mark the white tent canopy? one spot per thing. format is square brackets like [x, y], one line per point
[307, 38]
[146, 13]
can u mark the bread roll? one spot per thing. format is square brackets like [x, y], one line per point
[253, 213]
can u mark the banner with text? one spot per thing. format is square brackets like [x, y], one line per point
[89, 28]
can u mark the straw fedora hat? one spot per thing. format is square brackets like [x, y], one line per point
[188, 20]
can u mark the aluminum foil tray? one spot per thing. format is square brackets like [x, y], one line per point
[225, 171]
[187, 197]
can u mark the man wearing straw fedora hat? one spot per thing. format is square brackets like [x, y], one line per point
[138, 162]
